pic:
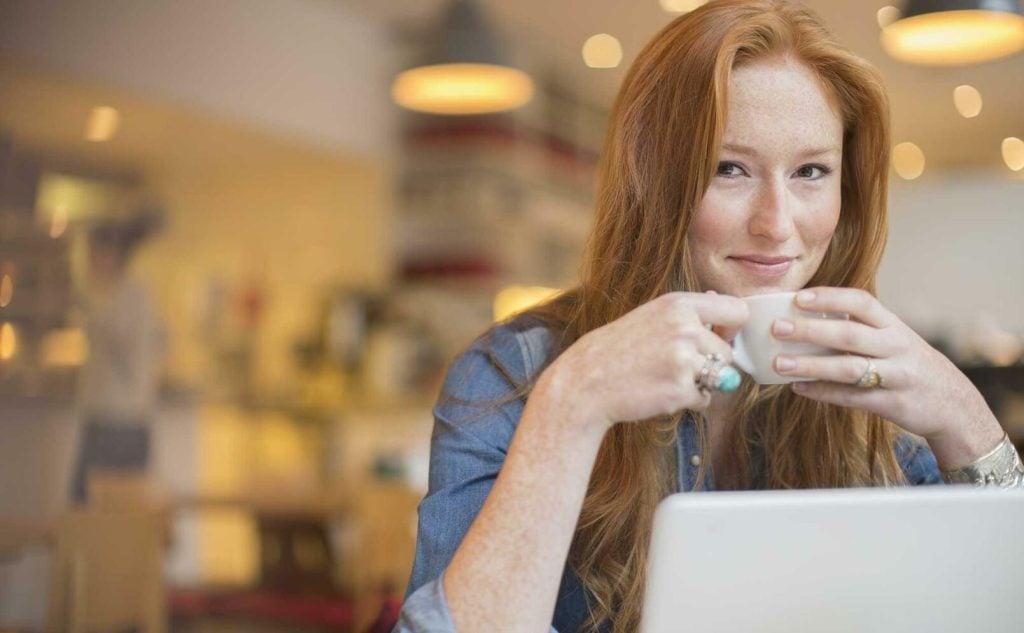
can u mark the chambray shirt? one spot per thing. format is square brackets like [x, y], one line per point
[468, 447]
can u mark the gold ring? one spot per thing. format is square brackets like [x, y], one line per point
[870, 379]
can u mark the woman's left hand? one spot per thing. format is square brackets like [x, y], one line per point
[921, 390]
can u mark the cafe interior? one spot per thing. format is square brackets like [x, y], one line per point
[309, 217]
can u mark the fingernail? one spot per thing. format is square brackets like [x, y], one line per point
[784, 363]
[782, 327]
[805, 297]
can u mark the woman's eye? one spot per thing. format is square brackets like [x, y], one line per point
[729, 170]
[813, 172]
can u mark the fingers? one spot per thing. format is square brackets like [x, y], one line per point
[859, 304]
[875, 400]
[847, 336]
[840, 369]
[724, 332]
[708, 342]
[688, 382]
[727, 312]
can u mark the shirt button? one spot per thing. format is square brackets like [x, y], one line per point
[695, 460]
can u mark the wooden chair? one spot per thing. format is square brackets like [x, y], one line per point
[108, 573]
[118, 491]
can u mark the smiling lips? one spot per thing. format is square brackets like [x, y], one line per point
[764, 265]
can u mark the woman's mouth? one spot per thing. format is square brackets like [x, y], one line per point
[764, 265]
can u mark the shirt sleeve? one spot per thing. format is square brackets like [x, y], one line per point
[474, 420]
[917, 461]
[426, 611]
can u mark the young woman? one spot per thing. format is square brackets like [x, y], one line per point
[747, 153]
[119, 383]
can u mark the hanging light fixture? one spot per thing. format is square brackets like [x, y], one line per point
[463, 71]
[955, 32]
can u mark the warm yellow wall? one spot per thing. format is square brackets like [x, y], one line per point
[303, 223]
[300, 222]
[241, 201]
[298, 227]
[242, 204]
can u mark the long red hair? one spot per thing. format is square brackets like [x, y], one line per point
[659, 157]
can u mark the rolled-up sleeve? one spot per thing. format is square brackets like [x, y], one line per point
[474, 421]
[426, 610]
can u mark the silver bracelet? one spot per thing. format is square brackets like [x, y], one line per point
[1001, 467]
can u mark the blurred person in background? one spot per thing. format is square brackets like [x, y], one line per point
[747, 153]
[118, 386]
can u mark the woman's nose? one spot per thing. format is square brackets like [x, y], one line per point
[771, 215]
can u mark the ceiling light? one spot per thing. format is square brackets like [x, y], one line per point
[59, 221]
[602, 51]
[887, 15]
[681, 6]
[967, 100]
[464, 72]
[955, 32]
[1013, 153]
[908, 160]
[8, 341]
[6, 290]
[101, 124]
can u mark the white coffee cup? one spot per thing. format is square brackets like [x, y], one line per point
[755, 347]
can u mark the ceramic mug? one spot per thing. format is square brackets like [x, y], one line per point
[755, 347]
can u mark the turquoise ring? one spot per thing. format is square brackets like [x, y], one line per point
[717, 375]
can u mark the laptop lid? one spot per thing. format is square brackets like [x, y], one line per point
[924, 559]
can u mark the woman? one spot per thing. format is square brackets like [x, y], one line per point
[119, 383]
[747, 153]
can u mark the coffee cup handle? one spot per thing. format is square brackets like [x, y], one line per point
[740, 355]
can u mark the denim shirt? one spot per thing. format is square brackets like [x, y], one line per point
[468, 447]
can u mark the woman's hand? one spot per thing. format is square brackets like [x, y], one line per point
[647, 362]
[921, 390]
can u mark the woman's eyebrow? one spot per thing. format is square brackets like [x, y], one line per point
[740, 149]
[750, 151]
[821, 151]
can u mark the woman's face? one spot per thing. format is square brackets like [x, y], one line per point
[768, 216]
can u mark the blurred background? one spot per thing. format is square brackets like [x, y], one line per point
[239, 245]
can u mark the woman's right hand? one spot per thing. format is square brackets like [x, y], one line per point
[647, 362]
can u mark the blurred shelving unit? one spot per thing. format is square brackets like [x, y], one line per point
[487, 202]
[35, 296]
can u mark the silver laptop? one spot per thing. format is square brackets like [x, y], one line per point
[926, 560]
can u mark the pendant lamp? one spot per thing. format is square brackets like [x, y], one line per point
[955, 32]
[463, 71]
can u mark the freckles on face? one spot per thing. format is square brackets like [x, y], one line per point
[768, 216]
